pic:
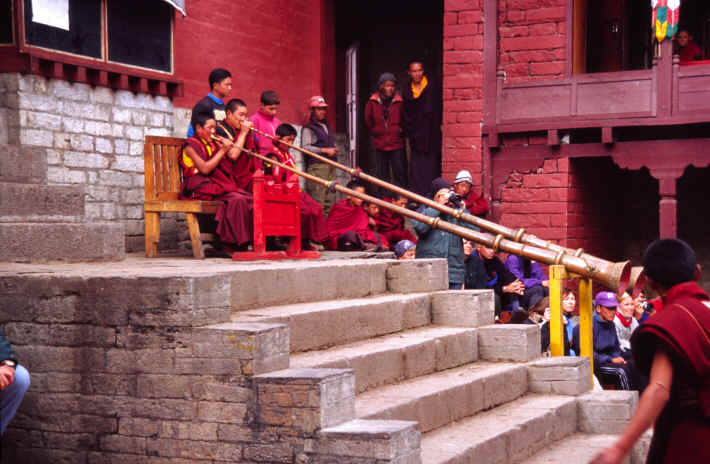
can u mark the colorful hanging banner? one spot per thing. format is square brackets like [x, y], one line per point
[664, 21]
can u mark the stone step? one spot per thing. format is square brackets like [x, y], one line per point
[438, 399]
[393, 358]
[41, 203]
[580, 447]
[324, 324]
[506, 434]
[72, 242]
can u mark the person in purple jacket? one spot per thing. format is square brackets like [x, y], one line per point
[533, 278]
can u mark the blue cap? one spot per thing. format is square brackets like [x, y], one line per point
[606, 299]
[401, 247]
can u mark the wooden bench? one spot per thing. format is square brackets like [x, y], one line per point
[276, 206]
[162, 187]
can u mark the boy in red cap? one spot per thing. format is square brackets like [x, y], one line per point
[318, 137]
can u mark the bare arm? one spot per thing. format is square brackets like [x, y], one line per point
[238, 144]
[650, 405]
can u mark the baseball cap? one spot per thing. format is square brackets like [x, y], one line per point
[606, 299]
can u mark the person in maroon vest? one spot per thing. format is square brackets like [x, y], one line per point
[673, 347]
[391, 224]
[209, 174]
[318, 137]
[687, 48]
[349, 225]
[383, 117]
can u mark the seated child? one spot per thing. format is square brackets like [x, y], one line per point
[373, 211]
[404, 249]
[314, 231]
[476, 277]
[391, 224]
[209, 174]
[348, 224]
[508, 289]
[533, 278]
[540, 314]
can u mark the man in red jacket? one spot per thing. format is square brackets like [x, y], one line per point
[383, 117]
[474, 203]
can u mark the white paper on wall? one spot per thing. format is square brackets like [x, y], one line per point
[53, 13]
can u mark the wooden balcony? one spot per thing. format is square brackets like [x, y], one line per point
[668, 94]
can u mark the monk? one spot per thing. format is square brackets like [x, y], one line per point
[236, 128]
[209, 174]
[348, 224]
[673, 347]
[391, 224]
[314, 231]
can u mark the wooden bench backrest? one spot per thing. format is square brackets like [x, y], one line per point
[162, 167]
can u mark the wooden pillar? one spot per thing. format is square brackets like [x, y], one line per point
[667, 208]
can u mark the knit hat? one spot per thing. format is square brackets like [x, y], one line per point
[401, 247]
[384, 77]
[438, 184]
[669, 262]
[463, 176]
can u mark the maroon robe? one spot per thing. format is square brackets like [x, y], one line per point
[391, 226]
[682, 330]
[245, 166]
[313, 226]
[234, 216]
[346, 217]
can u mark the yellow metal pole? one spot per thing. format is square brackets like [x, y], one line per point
[586, 328]
[558, 274]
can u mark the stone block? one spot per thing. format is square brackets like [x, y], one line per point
[45, 121]
[388, 441]
[306, 398]
[129, 163]
[101, 129]
[104, 145]
[41, 242]
[463, 308]
[417, 275]
[21, 163]
[194, 450]
[201, 431]
[36, 137]
[68, 90]
[121, 115]
[606, 411]
[72, 125]
[509, 342]
[138, 427]
[61, 334]
[561, 375]
[35, 202]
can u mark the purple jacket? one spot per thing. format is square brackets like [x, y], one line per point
[533, 277]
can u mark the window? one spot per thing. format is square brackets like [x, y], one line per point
[135, 32]
[6, 22]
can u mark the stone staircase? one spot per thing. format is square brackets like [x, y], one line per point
[366, 361]
[40, 222]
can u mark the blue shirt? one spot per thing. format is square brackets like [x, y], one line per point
[190, 129]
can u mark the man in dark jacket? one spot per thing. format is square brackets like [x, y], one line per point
[437, 243]
[422, 125]
[507, 288]
[609, 365]
[14, 381]
[383, 117]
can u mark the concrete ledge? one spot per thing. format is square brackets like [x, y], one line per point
[305, 399]
[561, 375]
[396, 442]
[606, 411]
[43, 203]
[509, 342]
[463, 308]
[39, 242]
[417, 275]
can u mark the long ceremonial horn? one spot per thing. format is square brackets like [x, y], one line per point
[516, 235]
[611, 275]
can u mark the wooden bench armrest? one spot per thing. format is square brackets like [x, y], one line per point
[182, 206]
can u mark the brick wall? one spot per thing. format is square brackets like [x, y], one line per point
[462, 88]
[93, 137]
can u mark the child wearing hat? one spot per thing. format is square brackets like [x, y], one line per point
[383, 117]
[463, 187]
[319, 138]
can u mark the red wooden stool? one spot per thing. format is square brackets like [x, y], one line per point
[277, 213]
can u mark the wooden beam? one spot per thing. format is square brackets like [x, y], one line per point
[553, 137]
[608, 135]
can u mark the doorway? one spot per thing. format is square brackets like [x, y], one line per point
[385, 37]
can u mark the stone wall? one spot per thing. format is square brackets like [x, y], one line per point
[93, 137]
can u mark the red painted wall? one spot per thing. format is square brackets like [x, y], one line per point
[266, 44]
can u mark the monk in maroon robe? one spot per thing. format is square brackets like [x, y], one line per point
[348, 223]
[673, 347]
[210, 173]
[313, 226]
[391, 224]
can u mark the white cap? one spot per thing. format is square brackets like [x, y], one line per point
[463, 176]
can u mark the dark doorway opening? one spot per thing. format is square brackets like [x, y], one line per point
[693, 190]
[388, 36]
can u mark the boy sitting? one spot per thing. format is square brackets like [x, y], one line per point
[348, 224]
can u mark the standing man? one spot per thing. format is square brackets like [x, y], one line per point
[212, 105]
[422, 125]
[14, 382]
[383, 116]
[266, 121]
